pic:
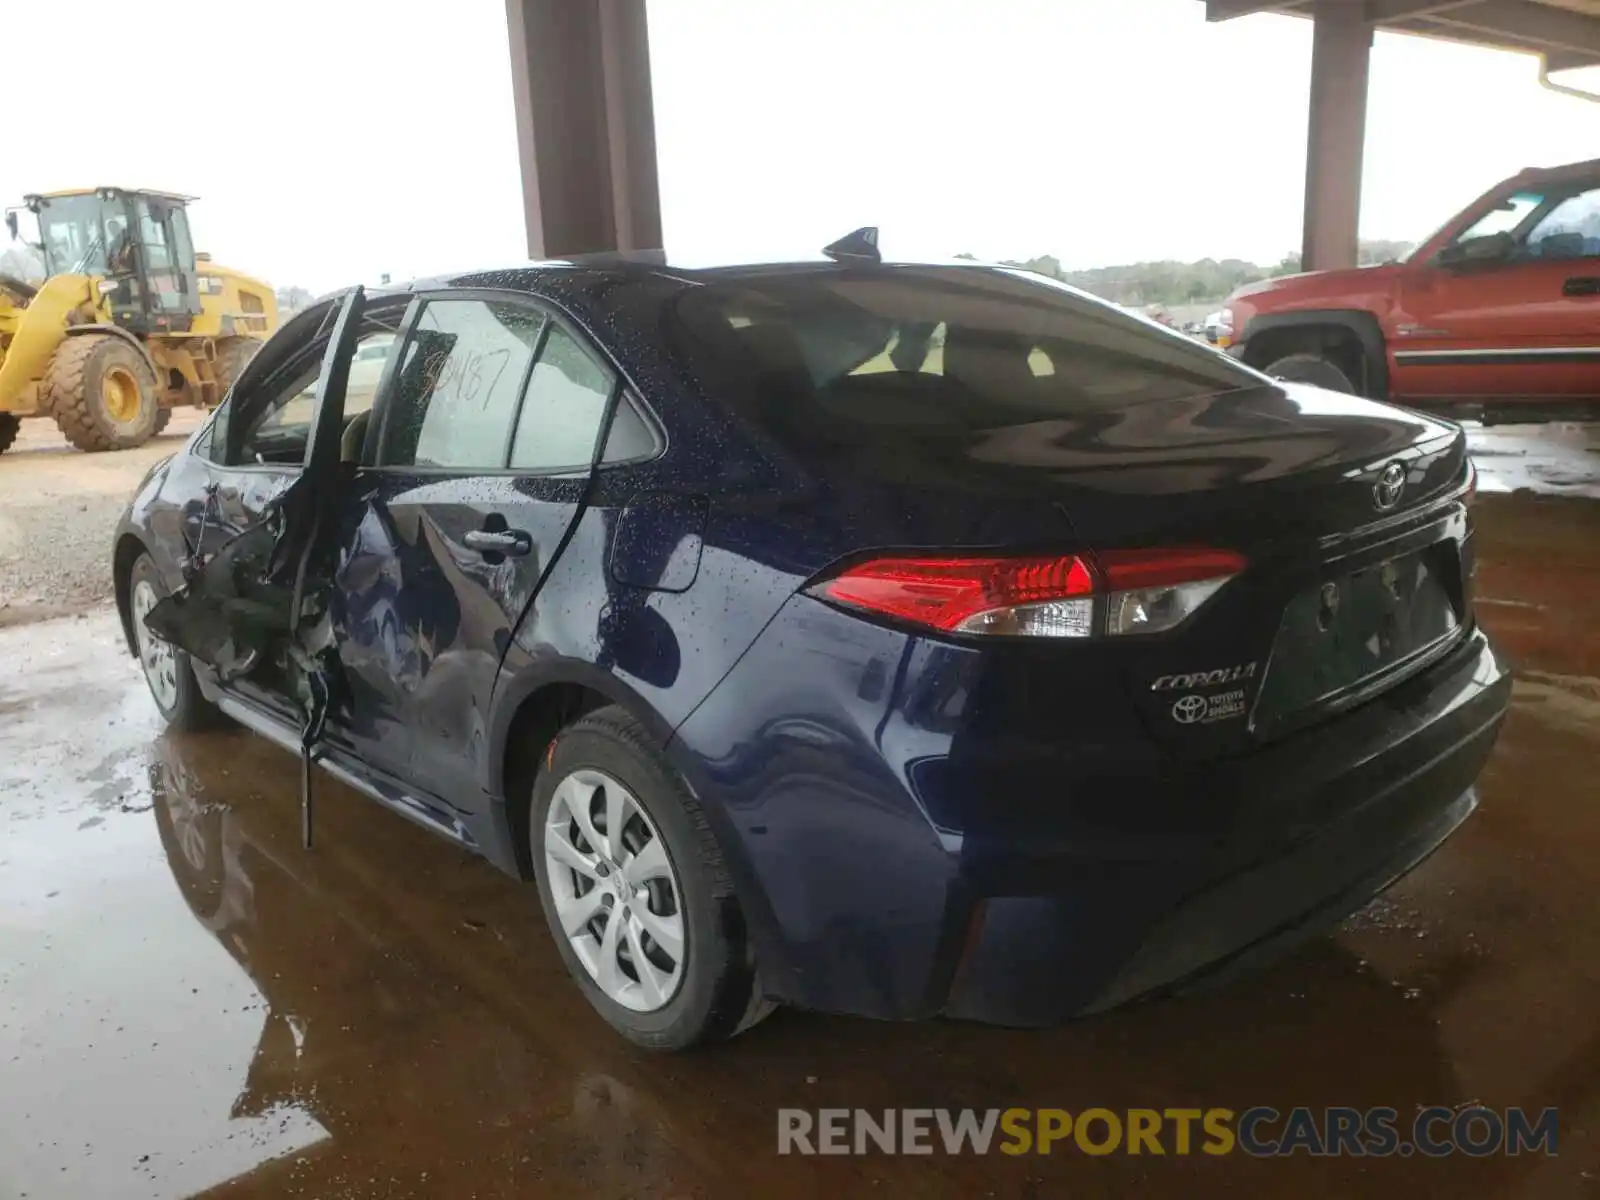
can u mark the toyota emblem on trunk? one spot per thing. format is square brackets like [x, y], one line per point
[1391, 483]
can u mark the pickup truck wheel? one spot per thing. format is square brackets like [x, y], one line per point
[1312, 369]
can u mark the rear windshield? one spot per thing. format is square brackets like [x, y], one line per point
[932, 349]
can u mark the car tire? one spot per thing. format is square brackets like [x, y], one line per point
[701, 988]
[167, 670]
[1312, 369]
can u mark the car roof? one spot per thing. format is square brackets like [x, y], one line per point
[581, 269]
[657, 264]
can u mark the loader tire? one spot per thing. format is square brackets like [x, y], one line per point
[102, 393]
[232, 355]
[8, 430]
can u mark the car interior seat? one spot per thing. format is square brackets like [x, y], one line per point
[355, 437]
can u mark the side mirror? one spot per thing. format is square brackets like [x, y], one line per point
[1478, 251]
[11, 225]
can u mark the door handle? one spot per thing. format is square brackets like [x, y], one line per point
[499, 541]
[1582, 285]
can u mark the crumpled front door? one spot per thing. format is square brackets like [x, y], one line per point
[258, 605]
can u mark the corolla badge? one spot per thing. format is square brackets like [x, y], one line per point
[1391, 484]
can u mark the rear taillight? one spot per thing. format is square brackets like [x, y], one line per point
[1152, 590]
[1141, 591]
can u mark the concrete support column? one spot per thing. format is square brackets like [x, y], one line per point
[580, 78]
[1340, 53]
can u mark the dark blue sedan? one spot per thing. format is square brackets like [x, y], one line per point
[890, 639]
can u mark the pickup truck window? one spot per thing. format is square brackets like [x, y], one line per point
[1569, 230]
[1506, 218]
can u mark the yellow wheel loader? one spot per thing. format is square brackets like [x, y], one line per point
[128, 323]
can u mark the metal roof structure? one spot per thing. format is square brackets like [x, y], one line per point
[1564, 33]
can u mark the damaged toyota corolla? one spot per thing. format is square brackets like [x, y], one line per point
[882, 638]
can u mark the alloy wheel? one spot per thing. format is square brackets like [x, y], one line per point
[156, 657]
[616, 894]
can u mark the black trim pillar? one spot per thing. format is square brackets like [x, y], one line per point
[580, 79]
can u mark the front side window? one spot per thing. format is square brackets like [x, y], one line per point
[182, 243]
[73, 231]
[1506, 217]
[366, 372]
[153, 236]
[276, 429]
[456, 397]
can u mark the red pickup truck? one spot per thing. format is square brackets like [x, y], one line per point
[1496, 316]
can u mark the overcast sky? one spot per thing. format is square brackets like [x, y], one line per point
[331, 140]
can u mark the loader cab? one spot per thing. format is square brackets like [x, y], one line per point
[136, 243]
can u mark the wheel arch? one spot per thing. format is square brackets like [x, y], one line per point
[117, 331]
[128, 549]
[528, 714]
[529, 711]
[1273, 335]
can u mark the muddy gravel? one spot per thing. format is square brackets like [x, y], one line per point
[58, 508]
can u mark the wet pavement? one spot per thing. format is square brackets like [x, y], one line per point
[190, 1001]
[1559, 459]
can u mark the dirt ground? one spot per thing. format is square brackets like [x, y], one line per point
[58, 508]
[192, 1003]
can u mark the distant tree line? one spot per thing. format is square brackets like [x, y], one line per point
[22, 262]
[1171, 282]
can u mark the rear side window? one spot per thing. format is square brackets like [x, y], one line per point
[887, 352]
[457, 390]
[566, 401]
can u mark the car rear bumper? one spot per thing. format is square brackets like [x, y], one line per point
[865, 892]
[1021, 970]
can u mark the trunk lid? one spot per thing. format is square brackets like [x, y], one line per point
[980, 410]
[1358, 554]
[1342, 507]
[1246, 466]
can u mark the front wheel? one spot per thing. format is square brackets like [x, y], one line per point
[167, 671]
[102, 393]
[1312, 369]
[635, 889]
